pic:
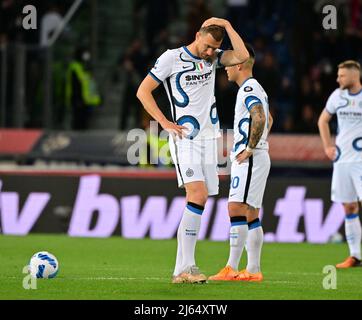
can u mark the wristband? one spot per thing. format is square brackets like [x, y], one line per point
[248, 149]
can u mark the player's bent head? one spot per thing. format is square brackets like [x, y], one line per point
[242, 69]
[217, 32]
[208, 39]
[349, 72]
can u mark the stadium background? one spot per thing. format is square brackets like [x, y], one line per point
[61, 176]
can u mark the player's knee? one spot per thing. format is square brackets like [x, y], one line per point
[350, 207]
[253, 214]
[197, 196]
[201, 198]
[237, 209]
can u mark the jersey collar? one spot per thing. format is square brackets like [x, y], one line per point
[189, 53]
[354, 94]
[246, 80]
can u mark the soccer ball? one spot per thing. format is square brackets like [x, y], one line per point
[43, 265]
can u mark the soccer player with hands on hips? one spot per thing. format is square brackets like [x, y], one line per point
[346, 153]
[249, 172]
[188, 75]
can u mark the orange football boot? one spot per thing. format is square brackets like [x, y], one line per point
[225, 274]
[245, 275]
[349, 263]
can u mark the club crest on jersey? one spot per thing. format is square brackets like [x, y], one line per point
[189, 172]
[248, 89]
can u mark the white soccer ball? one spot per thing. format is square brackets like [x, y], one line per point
[43, 265]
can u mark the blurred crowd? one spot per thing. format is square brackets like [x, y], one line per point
[296, 58]
[73, 87]
[49, 14]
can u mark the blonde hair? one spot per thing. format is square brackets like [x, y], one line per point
[350, 64]
[249, 63]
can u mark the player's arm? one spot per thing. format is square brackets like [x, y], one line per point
[144, 94]
[270, 122]
[258, 120]
[325, 133]
[239, 54]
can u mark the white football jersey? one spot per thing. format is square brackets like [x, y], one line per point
[348, 108]
[189, 82]
[250, 93]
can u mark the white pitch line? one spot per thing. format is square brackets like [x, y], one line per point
[156, 279]
[277, 281]
[169, 278]
[102, 278]
[298, 273]
[147, 279]
[117, 278]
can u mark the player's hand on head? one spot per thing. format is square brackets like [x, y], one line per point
[331, 152]
[215, 21]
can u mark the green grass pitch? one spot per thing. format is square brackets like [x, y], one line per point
[117, 268]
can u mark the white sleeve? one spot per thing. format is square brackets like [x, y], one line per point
[331, 103]
[251, 97]
[163, 67]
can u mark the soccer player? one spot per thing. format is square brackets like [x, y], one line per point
[346, 152]
[188, 75]
[249, 171]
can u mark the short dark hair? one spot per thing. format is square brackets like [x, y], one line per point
[251, 51]
[217, 32]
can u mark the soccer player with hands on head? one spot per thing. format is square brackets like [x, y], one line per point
[188, 75]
